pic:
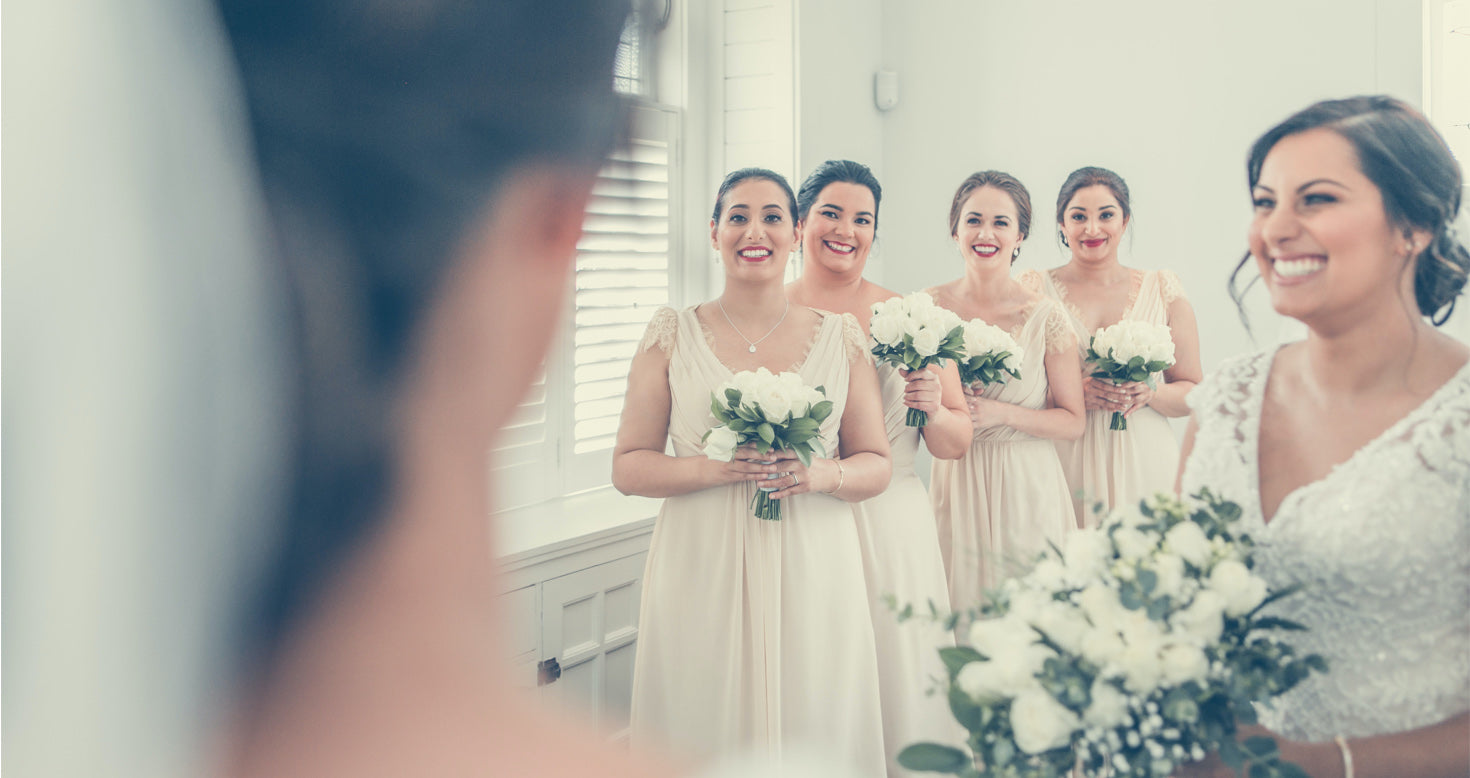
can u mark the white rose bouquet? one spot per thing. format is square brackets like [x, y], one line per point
[1136, 648]
[990, 354]
[912, 332]
[1130, 351]
[771, 412]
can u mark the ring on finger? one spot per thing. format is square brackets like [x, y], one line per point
[795, 482]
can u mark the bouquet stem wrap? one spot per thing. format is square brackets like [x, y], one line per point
[770, 412]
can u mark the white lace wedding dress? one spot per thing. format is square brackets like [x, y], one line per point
[1382, 544]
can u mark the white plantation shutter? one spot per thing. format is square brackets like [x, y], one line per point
[561, 436]
[623, 276]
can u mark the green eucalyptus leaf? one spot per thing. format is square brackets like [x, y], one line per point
[956, 657]
[934, 758]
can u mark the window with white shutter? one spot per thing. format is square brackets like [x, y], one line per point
[561, 439]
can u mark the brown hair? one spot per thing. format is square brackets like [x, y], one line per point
[1005, 182]
[1083, 177]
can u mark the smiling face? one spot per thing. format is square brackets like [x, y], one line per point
[1320, 235]
[755, 232]
[839, 228]
[987, 232]
[1093, 224]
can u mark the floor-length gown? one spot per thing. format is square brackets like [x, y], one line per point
[755, 635]
[1118, 467]
[1000, 504]
[1381, 544]
[901, 555]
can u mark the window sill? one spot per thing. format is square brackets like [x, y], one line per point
[532, 535]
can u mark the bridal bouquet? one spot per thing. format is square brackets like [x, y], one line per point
[771, 412]
[1136, 648]
[912, 332]
[990, 354]
[1130, 351]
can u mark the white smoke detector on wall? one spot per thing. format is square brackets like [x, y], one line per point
[885, 90]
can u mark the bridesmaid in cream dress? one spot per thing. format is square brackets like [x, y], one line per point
[838, 204]
[1006, 498]
[1107, 466]
[755, 635]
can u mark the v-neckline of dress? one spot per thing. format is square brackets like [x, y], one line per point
[1297, 494]
[705, 335]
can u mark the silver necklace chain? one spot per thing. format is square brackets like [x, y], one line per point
[748, 341]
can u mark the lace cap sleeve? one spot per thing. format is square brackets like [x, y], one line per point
[1031, 282]
[1227, 386]
[853, 339]
[661, 331]
[1060, 337]
[1169, 287]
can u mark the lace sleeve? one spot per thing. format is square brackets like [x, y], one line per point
[855, 342]
[661, 331]
[1031, 282]
[1060, 337]
[1226, 389]
[1169, 287]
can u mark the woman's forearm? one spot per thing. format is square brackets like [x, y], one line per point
[648, 473]
[1048, 423]
[864, 475]
[948, 433]
[1170, 398]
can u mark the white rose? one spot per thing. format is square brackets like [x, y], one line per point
[1086, 553]
[1049, 574]
[1064, 624]
[1101, 646]
[721, 443]
[1203, 621]
[1100, 602]
[1188, 541]
[1109, 706]
[1182, 662]
[916, 301]
[980, 682]
[1133, 544]
[1242, 590]
[1040, 723]
[1139, 661]
[1007, 634]
[887, 329]
[774, 403]
[927, 342]
[1170, 571]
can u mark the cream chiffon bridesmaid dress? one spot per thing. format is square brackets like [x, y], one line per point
[901, 555]
[1001, 503]
[755, 635]
[1116, 467]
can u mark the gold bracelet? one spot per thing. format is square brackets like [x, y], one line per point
[841, 477]
[1347, 756]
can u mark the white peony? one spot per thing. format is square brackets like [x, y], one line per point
[927, 342]
[1182, 662]
[1109, 706]
[1101, 646]
[1039, 722]
[1063, 623]
[721, 443]
[1139, 660]
[1234, 582]
[1188, 541]
[774, 402]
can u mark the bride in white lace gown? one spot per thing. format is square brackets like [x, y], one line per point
[1349, 452]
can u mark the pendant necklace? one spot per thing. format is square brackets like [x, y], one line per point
[748, 341]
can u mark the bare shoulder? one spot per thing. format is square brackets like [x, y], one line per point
[873, 293]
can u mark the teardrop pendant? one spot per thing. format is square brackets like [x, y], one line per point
[752, 348]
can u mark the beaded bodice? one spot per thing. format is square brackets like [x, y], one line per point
[1382, 544]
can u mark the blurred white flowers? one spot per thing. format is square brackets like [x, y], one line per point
[1128, 651]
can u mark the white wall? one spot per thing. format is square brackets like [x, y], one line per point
[1169, 94]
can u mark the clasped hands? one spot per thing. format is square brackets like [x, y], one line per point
[779, 469]
[1100, 394]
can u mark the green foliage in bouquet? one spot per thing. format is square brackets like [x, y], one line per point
[987, 369]
[798, 434]
[1046, 700]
